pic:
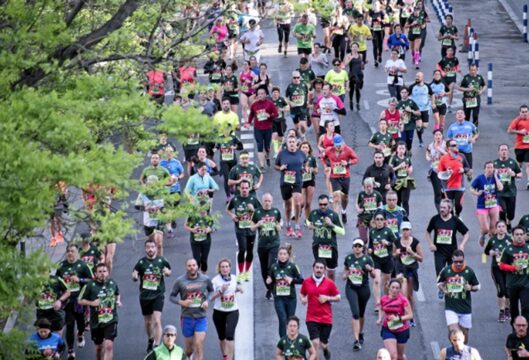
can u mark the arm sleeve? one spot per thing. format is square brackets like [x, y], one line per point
[174, 293]
[507, 267]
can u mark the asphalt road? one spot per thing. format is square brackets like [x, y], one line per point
[487, 336]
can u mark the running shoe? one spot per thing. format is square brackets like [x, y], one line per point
[482, 240]
[267, 160]
[507, 314]
[280, 48]
[501, 317]
[357, 346]
[240, 278]
[71, 355]
[150, 345]
[297, 233]
[327, 353]
[527, 187]
[358, 107]
[440, 295]
[290, 232]
[412, 323]
[344, 218]
[80, 341]
[361, 338]
[268, 295]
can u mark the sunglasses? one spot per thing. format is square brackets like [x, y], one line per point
[169, 334]
[458, 261]
[453, 145]
[295, 77]
[323, 204]
[358, 245]
[379, 219]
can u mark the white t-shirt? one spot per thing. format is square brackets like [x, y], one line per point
[227, 301]
[254, 37]
[391, 67]
[327, 107]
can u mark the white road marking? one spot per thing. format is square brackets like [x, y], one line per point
[420, 295]
[435, 349]
[366, 105]
[246, 136]
[248, 145]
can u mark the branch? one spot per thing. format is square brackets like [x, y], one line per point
[70, 16]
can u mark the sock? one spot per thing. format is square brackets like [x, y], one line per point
[247, 265]
[241, 267]
[275, 146]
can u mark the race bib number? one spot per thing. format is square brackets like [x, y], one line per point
[325, 252]
[406, 259]
[504, 176]
[416, 30]
[196, 300]
[227, 301]
[245, 221]
[104, 315]
[393, 129]
[450, 73]
[490, 201]
[444, 236]
[370, 203]
[355, 276]
[404, 116]
[471, 102]
[462, 139]
[377, 27]
[45, 301]
[387, 151]
[290, 177]
[402, 173]
[379, 250]
[339, 169]
[216, 76]
[307, 176]
[446, 42]
[151, 281]
[227, 154]
[72, 286]
[395, 324]
[298, 100]
[455, 285]
[262, 115]
[244, 87]
[525, 139]
[282, 288]
[393, 225]
[200, 235]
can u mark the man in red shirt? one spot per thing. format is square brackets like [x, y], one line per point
[339, 158]
[520, 127]
[262, 114]
[317, 292]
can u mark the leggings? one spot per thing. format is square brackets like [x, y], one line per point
[508, 207]
[500, 280]
[403, 195]
[457, 198]
[441, 261]
[378, 42]
[200, 252]
[225, 323]
[263, 139]
[407, 137]
[245, 243]
[283, 32]
[225, 167]
[468, 157]
[394, 91]
[437, 189]
[357, 298]
[518, 297]
[355, 86]
[267, 257]
[339, 45]
[74, 315]
[285, 307]
[474, 111]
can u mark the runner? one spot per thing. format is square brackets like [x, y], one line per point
[434, 152]
[309, 174]
[103, 297]
[44, 344]
[155, 169]
[520, 127]
[195, 290]
[393, 214]
[458, 349]
[356, 75]
[445, 227]
[290, 163]
[338, 78]
[518, 341]
[449, 67]
[245, 171]
[494, 248]
[340, 159]
[465, 134]
[408, 254]
[392, 117]
[225, 308]
[319, 63]
[294, 345]
[508, 170]
[268, 220]
[367, 201]
[417, 24]
[280, 123]
[201, 186]
[318, 292]
[377, 17]
[514, 261]
[151, 271]
[261, 81]
[241, 209]
[448, 35]
[176, 170]
[457, 281]
[89, 252]
[439, 103]
[329, 107]
[472, 86]
[357, 266]
[246, 90]
[486, 187]
[381, 240]
[305, 33]
[399, 42]
[226, 121]
[167, 349]
[307, 75]
[204, 155]
[283, 276]
[75, 274]
[50, 301]
[262, 114]
[326, 225]
[410, 116]
[382, 141]
[283, 13]
[382, 174]
[422, 94]
[404, 183]
[359, 33]
[296, 95]
[338, 33]
[200, 226]
[394, 318]
[314, 94]
[252, 40]
[228, 159]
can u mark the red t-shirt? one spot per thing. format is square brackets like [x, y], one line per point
[448, 162]
[521, 141]
[262, 114]
[335, 158]
[394, 306]
[317, 312]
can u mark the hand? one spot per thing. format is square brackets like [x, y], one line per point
[467, 287]
[47, 352]
[256, 186]
[328, 221]
[186, 303]
[344, 162]
[134, 275]
[96, 302]
[57, 305]
[369, 268]
[288, 279]
[388, 187]
[376, 184]
[250, 207]
[433, 248]
[283, 167]
[397, 252]
[234, 218]
[119, 303]
[224, 287]
[166, 271]
[204, 305]
[379, 322]
[304, 300]
[75, 279]
[385, 242]
[323, 299]
[268, 280]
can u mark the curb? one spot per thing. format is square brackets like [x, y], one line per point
[512, 14]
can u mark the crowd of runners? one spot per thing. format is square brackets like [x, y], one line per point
[385, 256]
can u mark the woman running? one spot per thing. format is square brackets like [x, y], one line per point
[261, 81]
[404, 184]
[377, 18]
[408, 253]
[440, 95]
[494, 249]
[312, 99]
[326, 141]
[200, 227]
[394, 318]
[246, 78]
[225, 309]
[283, 276]
[382, 140]
[338, 33]
[309, 177]
[357, 267]
[486, 187]
[367, 201]
[434, 151]
[356, 75]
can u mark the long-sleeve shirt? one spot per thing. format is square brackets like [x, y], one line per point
[262, 114]
[198, 290]
[198, 183]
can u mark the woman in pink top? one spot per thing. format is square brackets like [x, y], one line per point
[219, 31]
[394, 315]
[246, 78]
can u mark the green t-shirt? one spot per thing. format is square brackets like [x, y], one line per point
[159, 171]
[79, 268]
[150, 273]
[322, 233]
[297, 95]
[379, 251]
[239, 205]
[91, 256]
[395, 161]
[449, 67]
[476, 83]
[106, 312]
[458, 299]
[202, 223]
[386, 139]
[308, 32]
[294, 349]
[52, 290]
[280, 103]
[498, 246]
[278, 272]
[368, 202]
[307, 76]
[407, 118]
[358, 274]
[445, 30]
[514, 255]
[268, 234]
[509, 184]
[250, 173]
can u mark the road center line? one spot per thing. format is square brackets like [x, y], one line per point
[435, 349]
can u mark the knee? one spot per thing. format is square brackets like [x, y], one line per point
[109, 346]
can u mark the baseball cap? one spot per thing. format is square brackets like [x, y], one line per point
[338, 140]
[296, 73]
[169, 329]
[358, 241]
[405, 225]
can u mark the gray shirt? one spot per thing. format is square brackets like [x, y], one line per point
[319, 64]
[197, 290]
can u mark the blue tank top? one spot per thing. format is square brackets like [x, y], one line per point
[465, 354]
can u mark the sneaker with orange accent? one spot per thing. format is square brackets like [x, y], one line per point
[53, 241]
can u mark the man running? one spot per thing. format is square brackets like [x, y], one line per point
[245, 171]
[291, 163]
[520, 127]
[252, 41]
[305, 34]
[465, 134]
[508, 170]
[318, 292]
[195, 290]
[340, 158]
[421, 94]
[151, 271]
[102, 295]
[296, 96]
[329, 107]
[49, 303]
[382, 174]
[154, 169]
[472, 86]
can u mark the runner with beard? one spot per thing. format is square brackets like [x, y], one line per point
[508, 170]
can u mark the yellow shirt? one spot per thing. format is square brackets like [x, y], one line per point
[226, 121]
[338, 81]
[359, 34]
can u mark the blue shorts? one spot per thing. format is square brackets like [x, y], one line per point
[401, 337]
[191, 325]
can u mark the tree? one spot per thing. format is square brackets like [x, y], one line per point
[73, 111]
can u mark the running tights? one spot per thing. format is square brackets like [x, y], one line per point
[74, 315]
[245, 254]
[266, 258]
[200, 252]
[225, 323]
[357, 298]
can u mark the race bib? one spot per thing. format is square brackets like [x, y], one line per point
[370, 203]
[444, 236]
[227, 154]
[244, 87]
[402, 173]
[245, 221]
[325, 252]
[525, 139]
[377, 27]
[406, 259]
[298, 100]
[262, 115]
[404, 116]
[45, 301]
[504, 176]
[455, 286]
[380, 250]
[393, 225]
[490, 201]
[104, 315]
[395, 324]
[307, 176]
[446, 42]
[215, 76]
[339, 169]
[471, 102]
[196, 300]
[72, 286]
[450, 73]
[416, 30]
[227, 301]
[355, 276]
[150, 281]
[200, 235]
[282, 288]
[393, 129]
[387, 151]
[290, 177]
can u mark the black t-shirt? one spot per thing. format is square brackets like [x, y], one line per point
[445, 233]
[514, 343]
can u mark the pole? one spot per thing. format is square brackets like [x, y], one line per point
[476, 53]
[489, 85]
[524, 31]
[470, 57]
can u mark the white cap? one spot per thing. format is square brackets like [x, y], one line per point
[405, 225]
[358, 241]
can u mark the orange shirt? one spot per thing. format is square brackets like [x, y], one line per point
[455, 182]
[521, 141]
